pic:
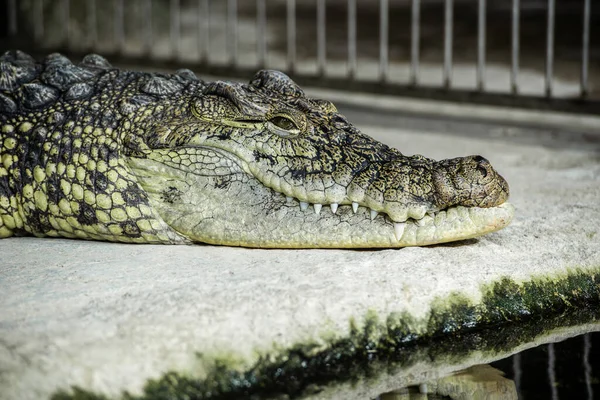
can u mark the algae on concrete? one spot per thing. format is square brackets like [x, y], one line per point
[510, 316]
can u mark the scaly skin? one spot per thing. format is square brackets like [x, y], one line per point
[88, 151]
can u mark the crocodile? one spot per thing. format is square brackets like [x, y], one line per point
[90, 151]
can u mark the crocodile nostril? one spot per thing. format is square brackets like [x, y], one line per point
[479, 159]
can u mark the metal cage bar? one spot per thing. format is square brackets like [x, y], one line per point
[587, 368]
[585, 50]
[39, 20]
[515, 42]
[203, 14]
[66, 11]
[291, 35]
[12, 17]
[517, 371]
[175, 28]
[448, 33]
[261, 39]
[383, 39]
[550, 47]
[92, 31]
[119, 25]
[352, 64]
[551, 370]
[232, 32]
[148, 28]
[321, 37]
[481, 30]
[415, 41]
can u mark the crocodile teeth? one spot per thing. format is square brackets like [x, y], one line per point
[354, 207]
[303, 206]
[334, 207]
[317, 207]
[399, 229]
[373, 214]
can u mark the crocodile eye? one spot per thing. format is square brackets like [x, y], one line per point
[482, 170]
[284, 123]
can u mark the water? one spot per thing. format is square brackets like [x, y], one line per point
[569, 369]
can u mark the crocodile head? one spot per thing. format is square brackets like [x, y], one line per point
[262, 165]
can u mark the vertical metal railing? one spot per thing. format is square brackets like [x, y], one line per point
[91, 24]
[39, 20]
[175, 28]
[12, 17]
[517, 371]
[515, 42]
[66, 16]
[550, 47]
[148, 27]
[587, 368]
[261, 35]
[119, 26]
[481, 30]
[585, 50]
[383, 39]
[226, 22]
[352, 39]
[551, 370]
[448, 36]
[321, 37]
[291, 34]
[232, 31]
[203, 13]
[415, 41]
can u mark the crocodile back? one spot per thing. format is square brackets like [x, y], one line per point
[63, 169]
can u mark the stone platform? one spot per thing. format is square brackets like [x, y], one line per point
[108, 317]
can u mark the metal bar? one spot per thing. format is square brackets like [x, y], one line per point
[148, 34]
[204, 30]
[585, 51]
[552, 371]
[414, 41]
[119, 25]
[232, 31]
[92, 33]
[517, 372]
[448, 32]
[550, 47]
[481, 46]
[383, 39]
[261, 40]
[12, 17]
[351, 38]
[67, 22]
[587, 368]
[39, 20]
[321, 37]
[291, 35]
[175, 28]
[514, 71]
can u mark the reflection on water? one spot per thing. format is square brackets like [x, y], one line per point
[565, 370]
[476, 382]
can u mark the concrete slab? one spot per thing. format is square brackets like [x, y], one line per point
[108, 317]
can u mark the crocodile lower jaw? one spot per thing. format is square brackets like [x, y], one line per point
[451, 224]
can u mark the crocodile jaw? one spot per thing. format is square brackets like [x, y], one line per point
[224, 205]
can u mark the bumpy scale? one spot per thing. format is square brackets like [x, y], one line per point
[93, 152]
